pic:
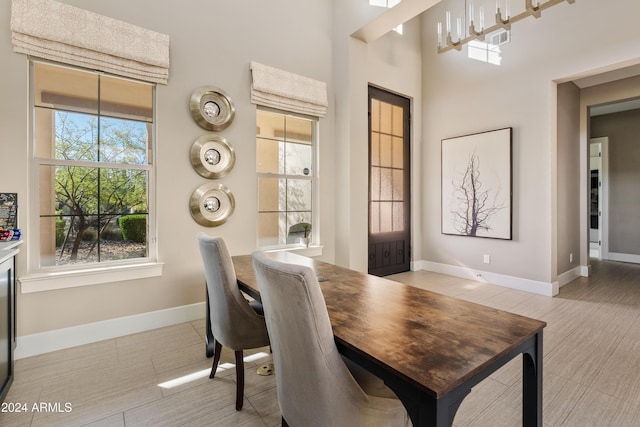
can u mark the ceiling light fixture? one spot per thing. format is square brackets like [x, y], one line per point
[503, 21]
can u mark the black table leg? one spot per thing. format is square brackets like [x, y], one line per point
[532, 385]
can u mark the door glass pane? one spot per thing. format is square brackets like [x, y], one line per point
[385, 117]
[375, 183]
[386, 217]
[386, 186]
[398, 216]
[397, 126]
[375, 115]
[375, 149]
[374, 211]
[398, 184]
[398, 155]
[385, 150]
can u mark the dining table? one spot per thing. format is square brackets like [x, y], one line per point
[430, 349]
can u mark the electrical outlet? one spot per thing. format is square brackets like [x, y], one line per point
[571, 257]
[487, 259]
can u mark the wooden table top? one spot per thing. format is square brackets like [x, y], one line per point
[431, 340]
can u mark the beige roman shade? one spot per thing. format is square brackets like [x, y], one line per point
[280, 89]
[56, 31]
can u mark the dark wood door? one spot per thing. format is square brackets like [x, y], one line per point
[389, 183]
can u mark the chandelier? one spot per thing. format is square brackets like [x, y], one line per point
[477, 30]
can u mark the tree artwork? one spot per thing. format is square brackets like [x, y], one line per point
[476, 204]
[476, 185]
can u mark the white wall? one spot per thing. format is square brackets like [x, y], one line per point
[212, 43]
[462, 96]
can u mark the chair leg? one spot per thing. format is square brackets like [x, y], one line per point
[216, 357]
[239, 380]
[284, 423]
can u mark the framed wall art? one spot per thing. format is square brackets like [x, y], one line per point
[476, 184]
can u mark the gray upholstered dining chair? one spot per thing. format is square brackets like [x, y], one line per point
[314, 385]
[235, 324]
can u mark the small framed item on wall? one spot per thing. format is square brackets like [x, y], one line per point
[212, 156]
[211, 108]
[476, 185]
[211, 204]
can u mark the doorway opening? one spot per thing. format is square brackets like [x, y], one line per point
[598, 187]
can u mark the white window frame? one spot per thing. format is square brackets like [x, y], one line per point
[40, 279]
[315, 248]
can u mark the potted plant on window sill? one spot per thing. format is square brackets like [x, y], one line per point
[306, 239]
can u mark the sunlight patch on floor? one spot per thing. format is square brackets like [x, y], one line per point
[205, 372]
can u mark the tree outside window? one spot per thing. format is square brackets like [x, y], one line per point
[92, 151]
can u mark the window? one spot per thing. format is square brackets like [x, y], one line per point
[93, 163]
[285, 160]
[489, 51]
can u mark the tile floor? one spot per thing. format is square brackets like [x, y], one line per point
[591, 367]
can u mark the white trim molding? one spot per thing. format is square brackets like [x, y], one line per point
[40, 282]
[571, 275]
[45, 342]
[616, 256]
[542, 288]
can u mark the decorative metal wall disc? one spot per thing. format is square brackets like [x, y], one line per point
[211, 108]
[212, 156]
[211, 204]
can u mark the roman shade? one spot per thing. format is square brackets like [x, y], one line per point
[56, 31]
[283, 90]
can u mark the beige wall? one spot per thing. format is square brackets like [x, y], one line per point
[623, 130]
[462, 96]
[212, 43]
[568, 177]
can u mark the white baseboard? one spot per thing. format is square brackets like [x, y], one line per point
[614, 256]
[527, 285]
[573, 274]
[45, 342]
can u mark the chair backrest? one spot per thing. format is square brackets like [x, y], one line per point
[314, 385]
[234, 323]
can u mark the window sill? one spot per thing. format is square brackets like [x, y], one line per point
[310, 251]
[41, 282]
